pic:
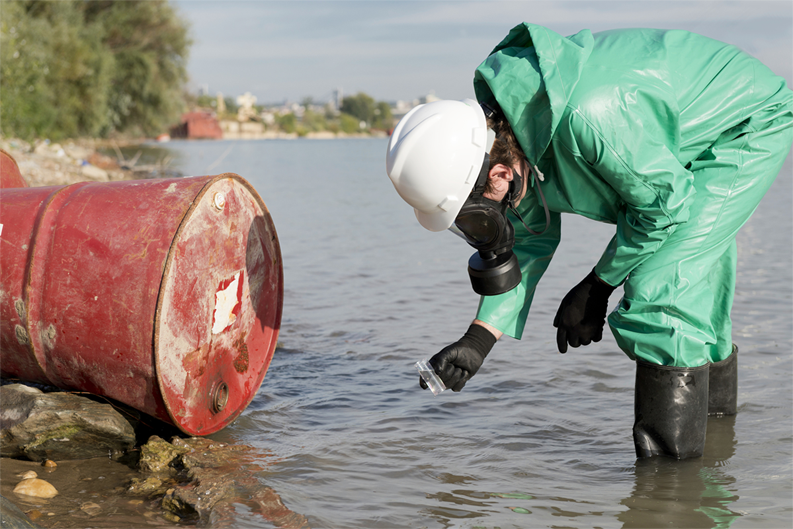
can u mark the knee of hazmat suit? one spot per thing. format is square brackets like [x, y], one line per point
[617, 122]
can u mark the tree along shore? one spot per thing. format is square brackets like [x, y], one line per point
[91, 69]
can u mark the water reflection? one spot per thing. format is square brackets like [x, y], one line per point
[458, 503]
[691, 493]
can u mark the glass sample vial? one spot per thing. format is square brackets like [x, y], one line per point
[430, 377]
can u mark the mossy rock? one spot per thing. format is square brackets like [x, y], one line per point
[157, 455]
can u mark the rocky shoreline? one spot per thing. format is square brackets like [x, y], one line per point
[75, 460]
[44, 163]
[69, 460]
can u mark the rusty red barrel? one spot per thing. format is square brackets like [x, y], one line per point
[9, 172]
[165, 295]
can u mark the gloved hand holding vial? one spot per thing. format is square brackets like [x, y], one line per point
[429, 377]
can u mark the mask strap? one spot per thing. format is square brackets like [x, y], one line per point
[514, 210]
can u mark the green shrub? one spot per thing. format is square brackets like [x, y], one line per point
[74, 68]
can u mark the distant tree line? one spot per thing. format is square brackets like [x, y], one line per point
[77, 68]
[358, 113]
[375, 115]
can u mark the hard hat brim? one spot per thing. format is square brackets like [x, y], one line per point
[437, 221]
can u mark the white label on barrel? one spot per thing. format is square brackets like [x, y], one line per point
[226, 300]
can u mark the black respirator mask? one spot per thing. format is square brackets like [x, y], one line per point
[483, 223]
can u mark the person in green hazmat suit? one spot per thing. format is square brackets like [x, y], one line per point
[671, 136]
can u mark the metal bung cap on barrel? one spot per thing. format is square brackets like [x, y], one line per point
[165, 295]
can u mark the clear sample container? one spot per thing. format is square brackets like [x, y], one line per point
[429, 376]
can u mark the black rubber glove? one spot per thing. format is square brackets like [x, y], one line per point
[582, 313]
[458, 362]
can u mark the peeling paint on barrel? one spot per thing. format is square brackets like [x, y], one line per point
[241, 361]
[228, 300]
[48, 337]
[22, 335]
[19, 306]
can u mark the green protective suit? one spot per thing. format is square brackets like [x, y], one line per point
[671, 136]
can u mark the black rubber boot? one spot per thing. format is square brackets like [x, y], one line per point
[723, 392]
[671, 410]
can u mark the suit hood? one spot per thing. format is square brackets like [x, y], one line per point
[531, 75]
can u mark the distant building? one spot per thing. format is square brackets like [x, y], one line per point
[267, 117]
[236, 130]
[338, 97]
[199, 124]
[430, 98]
[246, 111]
[400, 108]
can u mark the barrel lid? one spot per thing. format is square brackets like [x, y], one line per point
[219, 307]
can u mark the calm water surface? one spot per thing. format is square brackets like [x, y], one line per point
[536, 439]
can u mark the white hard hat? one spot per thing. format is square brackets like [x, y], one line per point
[434, 157]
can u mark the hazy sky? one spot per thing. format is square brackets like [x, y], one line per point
[289, 50]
